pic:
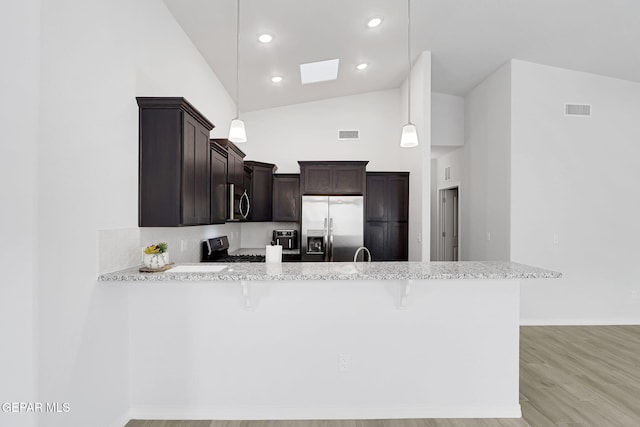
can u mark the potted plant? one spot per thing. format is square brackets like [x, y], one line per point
[156, 256]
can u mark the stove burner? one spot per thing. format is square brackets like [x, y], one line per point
[242, 258]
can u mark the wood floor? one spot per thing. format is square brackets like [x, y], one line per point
[570, 376]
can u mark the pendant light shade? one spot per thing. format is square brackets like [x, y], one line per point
[409, 136]
[236, 131]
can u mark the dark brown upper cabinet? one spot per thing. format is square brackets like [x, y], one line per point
[235, 163]
[260, 189]
[174, 163]
[219, 200]
[387, 214]
[286, 197]
[333, 177]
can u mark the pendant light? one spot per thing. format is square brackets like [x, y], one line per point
[237, 132]
[409, 136]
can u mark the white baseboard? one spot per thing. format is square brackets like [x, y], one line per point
[122, 420]
[580, 322]
[326, 413]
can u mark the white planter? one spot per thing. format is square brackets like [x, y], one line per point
[155, 260]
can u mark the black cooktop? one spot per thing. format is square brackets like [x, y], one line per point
[217, 250]
[241, 258]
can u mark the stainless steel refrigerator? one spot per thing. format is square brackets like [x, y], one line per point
[332, 227]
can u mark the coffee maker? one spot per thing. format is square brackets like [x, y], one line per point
[287, 238]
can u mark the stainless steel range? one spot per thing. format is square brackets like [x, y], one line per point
[217, 250]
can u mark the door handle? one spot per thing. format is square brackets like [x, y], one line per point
[326, 241]
[245, 196]
[331, 238]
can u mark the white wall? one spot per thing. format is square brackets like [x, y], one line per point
[421, 115]
[447, 119]
[434, 210]
[309, 131]
[456, 162]
[576, 178]
[486, 211]
[19, 44]
[419, 158]
[447, 134]
[96, 57]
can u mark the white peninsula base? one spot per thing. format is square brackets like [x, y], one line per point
[324, 349]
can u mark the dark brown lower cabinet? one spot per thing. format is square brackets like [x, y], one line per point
[290, 257]
[387, 241]
[375, 239]
[397, 241]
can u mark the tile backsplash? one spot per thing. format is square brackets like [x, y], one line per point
[259, 234]
[118, 248]
[184, 242]
[121, 248]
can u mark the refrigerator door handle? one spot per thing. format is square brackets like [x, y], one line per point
[331, 239]
[326, 241]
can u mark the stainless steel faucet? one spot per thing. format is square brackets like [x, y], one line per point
[355, 256]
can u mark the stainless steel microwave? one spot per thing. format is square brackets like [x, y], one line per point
[239, 203]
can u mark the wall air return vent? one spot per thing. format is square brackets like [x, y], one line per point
[577, 110]
[348, 135]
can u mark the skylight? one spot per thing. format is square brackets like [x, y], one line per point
[321, 71]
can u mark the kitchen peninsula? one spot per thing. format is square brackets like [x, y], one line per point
[326, 340]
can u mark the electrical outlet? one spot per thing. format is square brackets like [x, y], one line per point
[183, 245]
[556, 239]
[488, 236]
[344, 362]
[419, 237]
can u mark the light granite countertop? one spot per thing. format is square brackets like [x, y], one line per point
[344, 271]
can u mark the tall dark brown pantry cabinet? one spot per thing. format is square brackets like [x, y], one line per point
[174, 163]
[387, 212]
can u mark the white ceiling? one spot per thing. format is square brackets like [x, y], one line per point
[468, 39]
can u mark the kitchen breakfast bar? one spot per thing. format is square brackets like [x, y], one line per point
[325, 340]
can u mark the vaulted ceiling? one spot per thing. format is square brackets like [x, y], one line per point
[468, 39]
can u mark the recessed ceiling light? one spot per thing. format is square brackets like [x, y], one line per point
[276, 79]
[362, 66]
[265, 38]
[374, 22]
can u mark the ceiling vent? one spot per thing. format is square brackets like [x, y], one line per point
[578, 110]
[348, 135]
